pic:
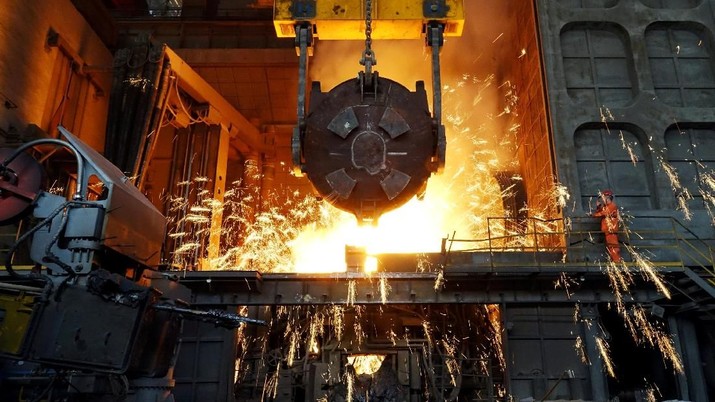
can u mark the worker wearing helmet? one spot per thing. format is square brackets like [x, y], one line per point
[607, 210]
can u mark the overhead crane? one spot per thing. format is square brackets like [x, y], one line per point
[369, 144]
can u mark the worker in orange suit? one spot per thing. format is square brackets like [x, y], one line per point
[607, 210]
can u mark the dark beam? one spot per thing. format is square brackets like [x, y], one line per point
[99, 19]
[473, 286]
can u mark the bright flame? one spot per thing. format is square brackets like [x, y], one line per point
[417, 226]
[481, 142]
[366, 364]
[370, 263]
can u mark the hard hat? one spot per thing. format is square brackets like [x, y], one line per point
[607, 193]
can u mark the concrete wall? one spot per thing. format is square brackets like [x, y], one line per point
[631, 87]
[33, 76]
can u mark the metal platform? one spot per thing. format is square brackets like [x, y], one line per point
[459, 284]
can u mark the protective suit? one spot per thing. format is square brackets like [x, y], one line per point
[610, 221]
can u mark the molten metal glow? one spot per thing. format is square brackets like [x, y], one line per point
[481, 142]
[366, 364]
[416, 227]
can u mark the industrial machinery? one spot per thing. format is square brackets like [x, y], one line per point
[369, 144]
[93, 317]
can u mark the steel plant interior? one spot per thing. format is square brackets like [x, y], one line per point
[162, 107]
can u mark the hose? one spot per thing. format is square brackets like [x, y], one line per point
[81, 190]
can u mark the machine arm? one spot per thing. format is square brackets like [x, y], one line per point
[220, 318]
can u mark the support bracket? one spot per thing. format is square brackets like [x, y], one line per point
[435, 39]
[304, 44]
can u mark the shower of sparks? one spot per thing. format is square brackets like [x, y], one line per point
[652, 393]
[293, 345]
[581, 350]
[271, 383]
[302, 234]
[493, 313]
[565, 282]
[350, 382]
[138, 82]
[186, 248]
[648, 271]
[707, 190]
[385, 289]
[683, 199]
[644, 331]
[242, 346]
[439, 281]
[283, 312]
[681, 192]
[621, 280]
[357, 326]
[450, 345]
[392, 336]
[338, 315]
[444, 347]
[511, 99]
[317, 322]
[605, 353]
[562, 195]
[426, 327]
[294, 232]
[352, 292]
[606, 116]
[629, 148]
[423, 263]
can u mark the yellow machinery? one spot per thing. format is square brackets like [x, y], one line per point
[16, 308]
[345, 19]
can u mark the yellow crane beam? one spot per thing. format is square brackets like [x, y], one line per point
[345, 19]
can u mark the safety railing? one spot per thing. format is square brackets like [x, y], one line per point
[664, 241]
[695, 249]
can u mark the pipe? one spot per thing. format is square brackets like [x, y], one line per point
[81, 188]
[115, 103]
[149, 126]
[150, 72]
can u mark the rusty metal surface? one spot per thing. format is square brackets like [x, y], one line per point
[368, 153]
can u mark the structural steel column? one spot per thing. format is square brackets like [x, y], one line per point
[692, 381]
[599, 388]
[219, 180]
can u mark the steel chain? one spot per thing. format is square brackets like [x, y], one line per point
[368, 27]
[368, 57]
